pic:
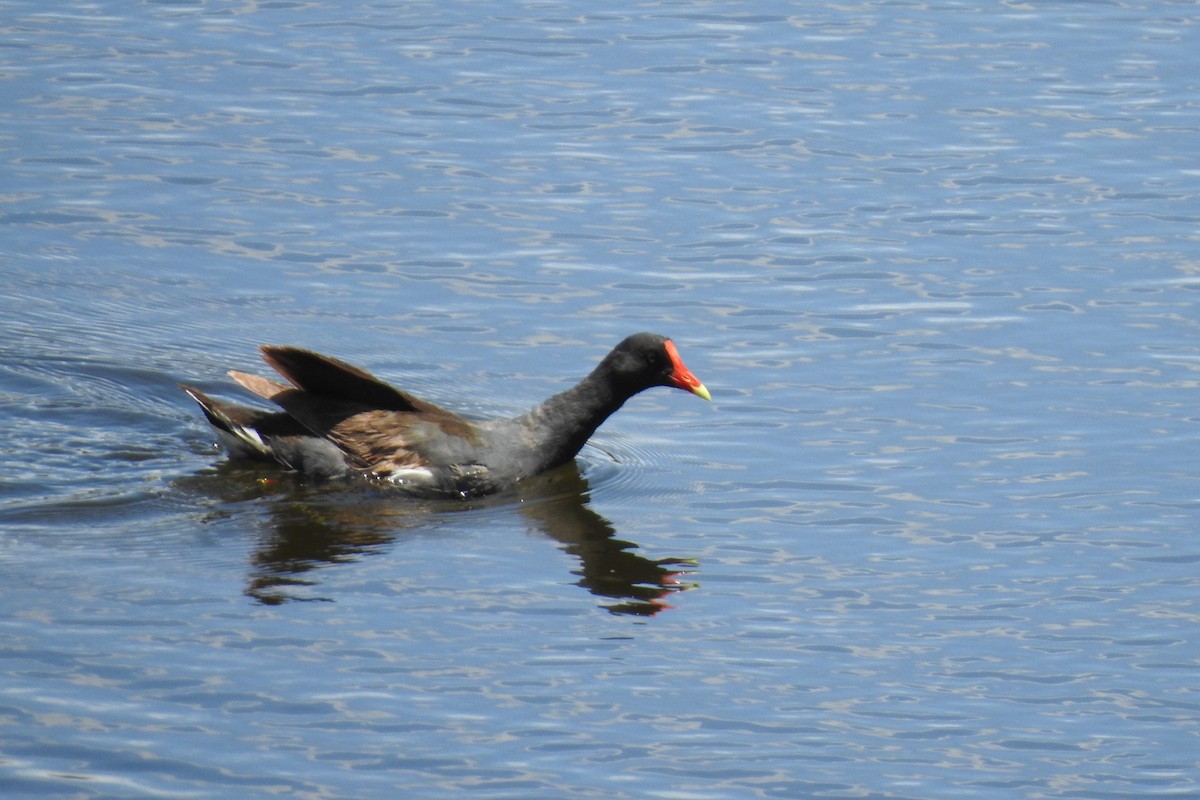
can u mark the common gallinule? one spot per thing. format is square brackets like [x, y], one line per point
[339, 420]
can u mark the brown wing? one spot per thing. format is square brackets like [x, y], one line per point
[380, 441]
[328, 377]
[263, 387]
[378, 427]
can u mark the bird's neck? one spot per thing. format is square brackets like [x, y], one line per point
[557, 428]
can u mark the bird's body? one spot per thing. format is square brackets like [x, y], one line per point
[338, 420]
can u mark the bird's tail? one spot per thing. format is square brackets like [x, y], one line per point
[234, 426]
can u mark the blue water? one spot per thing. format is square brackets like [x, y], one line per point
[933, 538]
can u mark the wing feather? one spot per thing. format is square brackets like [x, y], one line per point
[329, 377]
[379, 428]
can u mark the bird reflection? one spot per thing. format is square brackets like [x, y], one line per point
[311, 527]
[608, 566]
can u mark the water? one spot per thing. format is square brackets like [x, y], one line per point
[934, 537]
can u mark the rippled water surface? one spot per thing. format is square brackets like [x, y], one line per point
[935, 536]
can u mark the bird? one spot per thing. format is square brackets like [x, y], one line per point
[338, 420]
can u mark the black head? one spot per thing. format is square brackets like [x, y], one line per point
[647, 359]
